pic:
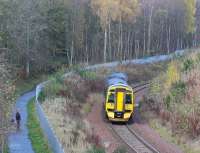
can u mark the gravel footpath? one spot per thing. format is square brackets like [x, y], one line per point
[18, 141]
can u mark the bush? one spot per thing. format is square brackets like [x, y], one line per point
[173, 75]
[188, 64]
[198, 58]
[53, 88]
[95, 149]
[41, 96]
[120, 149]
[87, 75]
[178, 90]
[87, 107]
[97, 85]
[167, 102]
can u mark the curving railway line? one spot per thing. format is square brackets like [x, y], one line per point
[140, 86]
[135, 143]
[129, 136]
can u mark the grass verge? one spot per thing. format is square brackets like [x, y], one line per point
[6, 149]
[38, 140]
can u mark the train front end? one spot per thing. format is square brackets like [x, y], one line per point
[119, 102]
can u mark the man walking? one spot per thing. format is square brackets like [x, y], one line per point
[18, 119]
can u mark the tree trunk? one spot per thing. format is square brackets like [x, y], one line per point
[144, 38]
[86, 48]
[149, 30]
[121, 41]
[72, 48]
[128, 44]
[109, 37]
[27, 68]
[168, 39]
[119, 34]
[105, 44]
[72, 52]
[27, 49]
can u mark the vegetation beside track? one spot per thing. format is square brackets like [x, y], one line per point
[36, 135]
[66, 101]
[174, 100]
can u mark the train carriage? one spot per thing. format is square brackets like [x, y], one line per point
[119, 100]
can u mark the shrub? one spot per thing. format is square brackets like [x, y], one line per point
[93, 139]
[95, 149]
[178, 90]
[167, 102]
[41, 96]
[53, 88]
[172, 75]
[120, 149]
[87, 108]
[88, 75]
[198, 58]
[194, 123]
[97, 85]
[188, 64]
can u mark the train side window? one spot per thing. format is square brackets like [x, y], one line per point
[128, 99]
[111, 98]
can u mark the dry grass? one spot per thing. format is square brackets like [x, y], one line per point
[92, 98]
[70, 130]
[67, 109]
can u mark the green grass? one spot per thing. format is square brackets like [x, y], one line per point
[95, 149]
[38, 140]
[6, 149]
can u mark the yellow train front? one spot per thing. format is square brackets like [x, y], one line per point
[120, 100]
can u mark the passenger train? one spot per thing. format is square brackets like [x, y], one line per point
[119, 98]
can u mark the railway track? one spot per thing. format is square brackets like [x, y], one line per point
[135, 143]
[129, 136]
[140, 86]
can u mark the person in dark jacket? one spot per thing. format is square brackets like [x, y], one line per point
[18, 119]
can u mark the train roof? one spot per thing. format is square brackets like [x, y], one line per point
[118, 75]
[117, 79]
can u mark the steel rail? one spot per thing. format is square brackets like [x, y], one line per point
[140, 87]
[130, 138]
[148, 145]
[122, 139]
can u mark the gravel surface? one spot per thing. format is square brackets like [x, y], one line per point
[131, 139]
[101, 128]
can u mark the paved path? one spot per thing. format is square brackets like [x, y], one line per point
[19, 141]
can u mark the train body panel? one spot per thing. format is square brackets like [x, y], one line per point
[120, 100]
